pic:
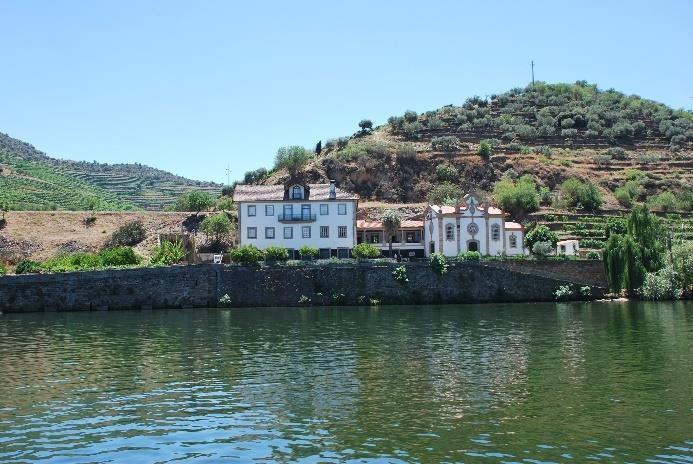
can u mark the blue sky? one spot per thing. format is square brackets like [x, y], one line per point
[193, 86]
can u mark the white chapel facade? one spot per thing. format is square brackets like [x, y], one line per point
[471, 226]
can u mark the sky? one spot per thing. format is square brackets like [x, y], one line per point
[191, 87]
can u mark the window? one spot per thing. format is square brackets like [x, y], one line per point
[252, 232]
[449, 232]
[269, 232]
[251, 210]
[288, 232]
[288, 212]
[305, 212]
[413, 236]
[305, 232]
[495, 232]
[269, 210]
[324, 231]
[324, 210]
[375, 238]
[513, 241]
[342, 231]
[296, 192]
[341, 209]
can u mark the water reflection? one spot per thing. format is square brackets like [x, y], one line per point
[504, 383]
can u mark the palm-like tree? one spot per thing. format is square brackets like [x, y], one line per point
[391, 223]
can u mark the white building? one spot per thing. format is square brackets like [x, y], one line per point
[568, 247]
[471, 226]
[408, 241]
[296, 214]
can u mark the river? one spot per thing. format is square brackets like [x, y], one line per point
[604, 382]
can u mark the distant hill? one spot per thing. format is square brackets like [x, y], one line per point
[550, 131]
[31, 180]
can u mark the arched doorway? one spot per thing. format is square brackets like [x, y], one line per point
[472, 245]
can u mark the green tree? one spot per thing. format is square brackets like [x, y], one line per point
[682, 261]
[391, 223]
[485, 149]
[218, 227]
[247, 255]
[308, 252]
[365, 251]
[645, 228]
[576, 193]
[541, 233]
[519, 197]
[194, 200]
[444, 193]
[168, 253]
[318, 147]
[292, 158]
[365, 125]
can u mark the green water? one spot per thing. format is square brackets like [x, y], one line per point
[605, 382]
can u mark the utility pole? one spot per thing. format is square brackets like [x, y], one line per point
[228, 175]
[532, 73]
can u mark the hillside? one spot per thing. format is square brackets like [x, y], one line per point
[31, 180]
[551, 132]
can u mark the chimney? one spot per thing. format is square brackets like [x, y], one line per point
[333, 190]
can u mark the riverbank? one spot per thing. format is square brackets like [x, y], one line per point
[204, 285]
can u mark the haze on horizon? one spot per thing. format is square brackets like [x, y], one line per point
[191, 88]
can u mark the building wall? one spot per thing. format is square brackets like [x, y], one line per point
[332, 220]
[202, 285]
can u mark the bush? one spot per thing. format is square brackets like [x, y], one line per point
[365, 251]
[617, 153]
[275, 253]
[218, 227]
[411, 130]
[623, 197]
[601, 160]
[129, 234]
[395, 121]
[27, 267]
[485, 149]
[665, 202]
[469, 256]
[661, 285]
[591, 243]
[308, 252]
[168, 253]
[586, 292]
[3, 270]
[518, 197]
[410, 116]
[447, 173]
[435, 123]
[225, 301]
[542, 249]
[194, 200]
[447, 143]
[541, 233]
[253, 177]
[439, 263]
[592, 255]
[72, 262]
[444, 193]
[246, 255]
[563, 293]
[682, 261]
[400, 275]
[576, 193]
[568, 132]
[119, 256]
[406, 152]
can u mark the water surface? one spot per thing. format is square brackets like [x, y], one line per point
[602, 382]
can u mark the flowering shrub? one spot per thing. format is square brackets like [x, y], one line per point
[400, 275]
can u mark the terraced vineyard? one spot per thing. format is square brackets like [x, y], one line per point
[30, 180]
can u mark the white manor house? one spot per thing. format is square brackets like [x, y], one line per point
[325, 217]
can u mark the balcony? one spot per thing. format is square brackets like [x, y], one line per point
[297, 217]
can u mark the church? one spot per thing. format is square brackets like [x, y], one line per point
[471, 226]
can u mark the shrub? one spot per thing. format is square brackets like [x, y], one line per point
[592, 255]
[447, 173]
[541, 233]
[623, 197]
[446, 143]
[591, 243]
[365, 251]
[400, 275]
[568, 132]
[253, 177]
[682, 261]
[542, 249]
[439, 263]
[563, 293]
[218, 227]
[129, 234]
[406, 152]
[444, 193]
[276, 253]
[168, 253]
[303, 300]
[469, 256]
[3, 269]
[308, 252]
[435, 123]
[661, 285]
[567, 123]
[395, 121]
[586, 291]
[119, 256]
[292, 158]
[342, 142]
[616, 153]
[411, 130]
[544, 195]
[485, 149]
[622, 129]
[665, 202]
[246, 255]
[194, 200]
[27, 267]
[365, 125]
[601, 160]
[410, 116]
[225, 301]
[577, 193]
[518, 197]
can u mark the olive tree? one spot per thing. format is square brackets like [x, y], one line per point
[292, 158]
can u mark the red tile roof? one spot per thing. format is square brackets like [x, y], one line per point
[377, 225]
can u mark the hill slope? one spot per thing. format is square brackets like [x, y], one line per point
[31, 180]
[551, 132]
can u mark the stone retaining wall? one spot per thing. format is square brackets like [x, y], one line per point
[202, 286]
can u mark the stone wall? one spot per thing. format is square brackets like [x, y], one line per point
[202, 286]
[585, 272]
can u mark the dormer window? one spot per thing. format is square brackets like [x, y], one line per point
[297, 192]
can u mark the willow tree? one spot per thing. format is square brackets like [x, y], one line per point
[647, 232]
[391, 223]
